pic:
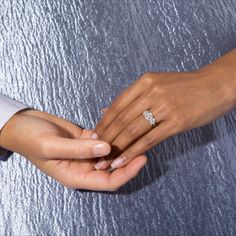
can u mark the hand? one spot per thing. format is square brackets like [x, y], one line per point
[63, 151]
[178, 101]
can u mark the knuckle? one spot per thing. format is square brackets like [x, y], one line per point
[176, 125]
[159, 90]
[131, 131]
[155, 89]
[171, 128]
[175, 116]
[130, 154]
[149, 141]
[147, 78]
[43, 148]
[145, 101]
[166, 109]
[120, 120]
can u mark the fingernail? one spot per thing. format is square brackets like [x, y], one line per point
[100, 150]
[94, 136]
[104, 110]
[117, 162]
[100, 164]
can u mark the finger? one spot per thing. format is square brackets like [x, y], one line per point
[131, 133]
[66, 148]
[155, 136]
[124, 122]
[129, 114]
[136, 129]
[126, 97]
[103, 180]
[72, 128]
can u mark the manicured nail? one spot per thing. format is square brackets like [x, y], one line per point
[117, 162]
[104, 110]
[100, 150]
[100, 164]
[94, 136]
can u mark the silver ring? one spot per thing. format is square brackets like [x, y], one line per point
[150, 118]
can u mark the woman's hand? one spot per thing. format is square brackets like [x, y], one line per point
[178, 101]
[64, 151]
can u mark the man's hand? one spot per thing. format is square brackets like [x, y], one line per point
[64, 151]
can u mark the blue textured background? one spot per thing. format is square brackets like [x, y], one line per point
[71, 58]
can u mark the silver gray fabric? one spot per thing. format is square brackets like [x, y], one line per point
[71, 58]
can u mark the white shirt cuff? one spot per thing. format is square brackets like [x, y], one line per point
[8, 107]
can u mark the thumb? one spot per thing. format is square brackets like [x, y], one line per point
[66, 148]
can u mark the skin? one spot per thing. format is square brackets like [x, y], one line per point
[64, 151]
[179, 102]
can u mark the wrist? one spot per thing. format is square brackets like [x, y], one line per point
[222, 73]
[7, 133]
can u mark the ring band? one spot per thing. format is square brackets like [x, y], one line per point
[150, 118]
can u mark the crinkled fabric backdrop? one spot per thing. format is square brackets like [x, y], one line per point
[71, 58]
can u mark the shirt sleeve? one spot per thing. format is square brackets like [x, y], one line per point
[8, 107]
